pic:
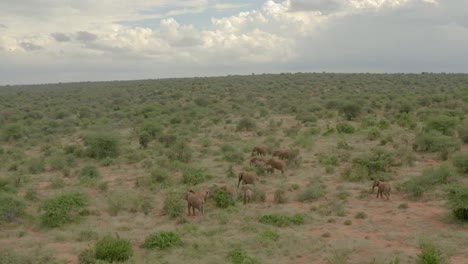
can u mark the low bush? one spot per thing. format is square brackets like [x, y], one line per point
[271, 234]
[378, 160]
[313, 191]
[442, 123]
[239, 256]
[11, 207]
[429, 178]
[173, 205]
[430, 254]
[460, 160]
[194, 176]
[162, 240]
[222, 198]
[102, 145]
[435, 141]
[246, 124]
[345, 128]
[35, 165]
[279, 196]
[282, 220]
[89, 172]
[457, 197]
[113, 249]
[62, 209]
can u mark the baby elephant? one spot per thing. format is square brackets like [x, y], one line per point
[195, 200]
[383, 188]
[248, 193]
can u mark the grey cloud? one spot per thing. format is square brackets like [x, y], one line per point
[30, 46]
[324, 6]
[60, 37]
[84, 36]
[187, 42]
[411, 40]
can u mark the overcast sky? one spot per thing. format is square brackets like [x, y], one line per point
[44, 41]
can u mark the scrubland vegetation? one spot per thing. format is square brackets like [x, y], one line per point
[95, 172]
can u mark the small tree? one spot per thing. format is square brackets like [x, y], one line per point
[113, 249]
[102, 145]
[457, 201]
[350, 110]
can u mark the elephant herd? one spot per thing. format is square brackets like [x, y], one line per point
[248, 179]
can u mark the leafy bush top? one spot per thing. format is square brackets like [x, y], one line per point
[113, 249]
[11, 207]
[457, 201]
[282, 220]
[162, 240]
[102, 145]
[63, 208]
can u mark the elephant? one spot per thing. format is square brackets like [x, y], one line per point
[277, 164]
[383, 188]
[247, 191]
[195, 200]
[269, 169]
[282, 154]
[259, 150]
[258, 161]
[247, 178]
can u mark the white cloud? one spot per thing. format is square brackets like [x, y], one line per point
[284, 34]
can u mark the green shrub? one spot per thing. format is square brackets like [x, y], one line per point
[311, 192]
[57, 162]
[113, 249]
[160, 176]
[457, 197]
[435, 141]
[11, 207]
[27, 256]
[239, 256]
[444, 124]
[194, 176]
[246, 124]
[222, 198]
[460, 160]
[282, 220]
[305, 117]
[378, 160]
[12, 132]
[180, 151]
[361, 215]
[102, 145]
[373, 133]
[279, 196]
[230, 154]
[173, 205]
[270, 234]
[151, 128]
[87, 256]
[430, 254]
[35, 165]
[144, 139]
[89, 172]
[63, 208]
[350, 110]
[429, 178]
[347, 222]
[345, 128]
[463, 132]
[162, 240]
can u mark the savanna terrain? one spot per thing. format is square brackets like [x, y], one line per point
[96, 172]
